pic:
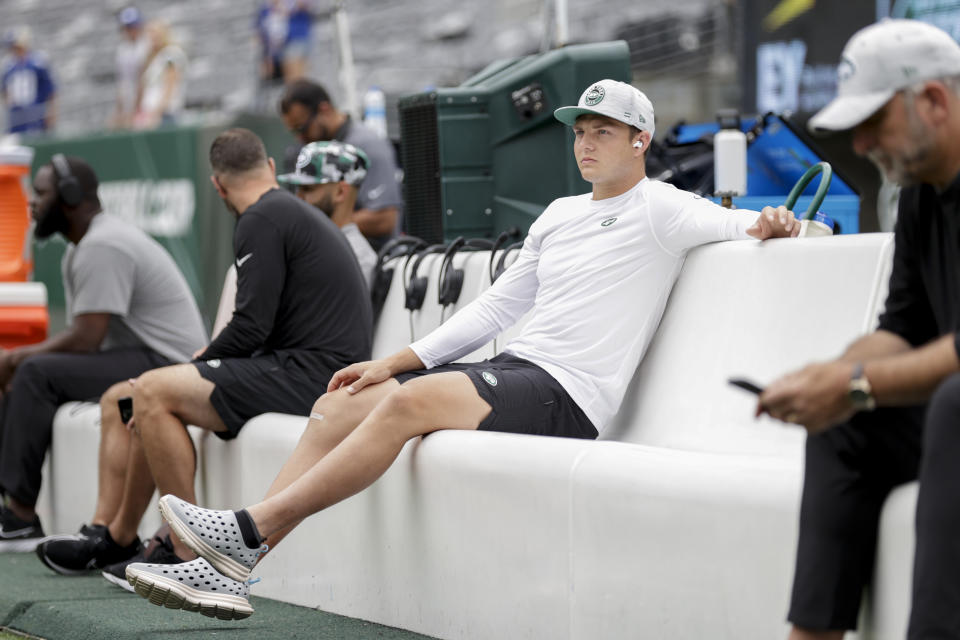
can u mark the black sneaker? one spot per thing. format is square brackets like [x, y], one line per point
[17, 534]
[159, 551]
[76, 554]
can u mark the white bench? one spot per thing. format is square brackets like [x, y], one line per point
[680, 522]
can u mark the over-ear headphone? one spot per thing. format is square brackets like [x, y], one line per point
[416, 290]
[382, 277]
[512, 232]
[451, 278]
[638, 144]
[68, 189]
[502, 262]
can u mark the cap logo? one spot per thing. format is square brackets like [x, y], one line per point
[594, 95]
[845, 69]
[489, 378]
[303, 159]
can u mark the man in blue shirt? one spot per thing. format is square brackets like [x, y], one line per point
[27, 88]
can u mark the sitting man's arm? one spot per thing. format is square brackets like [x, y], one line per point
[83, 336]
[817, 395]
[362, 374]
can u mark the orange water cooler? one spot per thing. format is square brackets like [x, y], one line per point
[23, 305]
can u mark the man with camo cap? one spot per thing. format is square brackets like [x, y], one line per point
[328, 176]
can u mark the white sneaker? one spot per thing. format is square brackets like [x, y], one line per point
[191, 586]
[214, 535]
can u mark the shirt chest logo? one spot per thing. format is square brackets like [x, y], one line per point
[608, 222]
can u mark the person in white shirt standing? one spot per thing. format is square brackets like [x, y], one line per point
[596, 269]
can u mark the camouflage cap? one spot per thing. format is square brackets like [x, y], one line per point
[328, 161]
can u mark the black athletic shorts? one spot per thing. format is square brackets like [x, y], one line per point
[524, 397]
[280, 381]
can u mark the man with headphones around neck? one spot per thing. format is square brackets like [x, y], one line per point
[599, 267]
[129, 310]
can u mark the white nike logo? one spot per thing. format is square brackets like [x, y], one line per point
[376, 192]
[240, 261]
[6, 535]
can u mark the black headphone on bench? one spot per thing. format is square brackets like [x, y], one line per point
[417, 285]
[494, 273]
[451, 278]
[382, 277]
[68, 188]
[502, 261]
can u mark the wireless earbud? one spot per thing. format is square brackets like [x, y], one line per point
[638, 145]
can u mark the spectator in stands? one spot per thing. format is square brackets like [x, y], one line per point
[302, 312]
[129, 310]
[27, 87]
[131, 53]
[599, 266]
[308, 112]
[895, 393]
[283, 29]
[161, 84]
[328, 176]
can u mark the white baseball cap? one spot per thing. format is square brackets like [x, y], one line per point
[617, 100]
[880, 60]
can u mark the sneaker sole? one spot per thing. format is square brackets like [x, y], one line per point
[164, 592]
[227, 566]
[120, 582]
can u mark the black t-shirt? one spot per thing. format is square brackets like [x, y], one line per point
[299, 287]
[924, 298]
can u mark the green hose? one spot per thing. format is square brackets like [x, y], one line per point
[821, 190]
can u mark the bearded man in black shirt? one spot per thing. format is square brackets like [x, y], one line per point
[888, 410]
[302, 313]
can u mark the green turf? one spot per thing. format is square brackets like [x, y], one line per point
[36, 601]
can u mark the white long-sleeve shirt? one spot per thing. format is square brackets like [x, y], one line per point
[597, 274]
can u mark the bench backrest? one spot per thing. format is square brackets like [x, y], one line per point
[754, 310]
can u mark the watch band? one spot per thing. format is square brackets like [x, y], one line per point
[859, 390]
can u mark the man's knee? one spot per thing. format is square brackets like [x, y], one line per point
[406, 403]
[151, 390]
[108, 401]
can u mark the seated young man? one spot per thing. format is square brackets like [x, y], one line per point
[596, 269]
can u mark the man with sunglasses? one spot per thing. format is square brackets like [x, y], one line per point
[308, 112]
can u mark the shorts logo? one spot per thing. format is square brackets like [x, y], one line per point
[214, 364]
[594, 95]
[608, 222]
[489, 378]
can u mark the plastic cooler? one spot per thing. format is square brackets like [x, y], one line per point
[23, 305]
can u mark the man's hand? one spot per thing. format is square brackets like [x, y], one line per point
[815, 396]
[775, 223]
[359, 375]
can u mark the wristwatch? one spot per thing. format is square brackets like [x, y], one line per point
[859, 390]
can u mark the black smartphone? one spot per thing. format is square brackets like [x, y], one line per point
[746, 385]
[126, 408]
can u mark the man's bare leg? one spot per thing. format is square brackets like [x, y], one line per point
[797, 633]
[138, 488]
[334, 416]
[422, 405]
[164, 401]
[112, 460]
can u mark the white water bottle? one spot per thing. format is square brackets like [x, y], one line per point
[375, 111]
